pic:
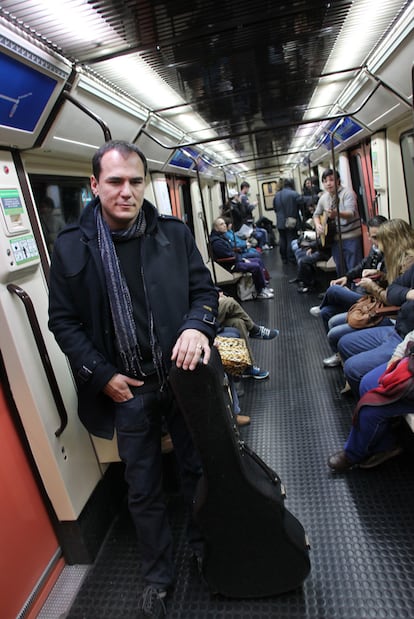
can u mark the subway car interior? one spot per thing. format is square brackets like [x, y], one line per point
[215, 94]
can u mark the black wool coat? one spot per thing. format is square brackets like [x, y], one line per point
[180, 293]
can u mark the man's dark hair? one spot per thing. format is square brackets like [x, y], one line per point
[330, 172]
[288, 182]
[376, 221]
[244, 184]
[125, 148]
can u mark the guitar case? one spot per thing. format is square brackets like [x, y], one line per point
[254, 547]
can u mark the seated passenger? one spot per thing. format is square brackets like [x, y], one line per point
[235, 322]
[309, 255]
[240, 245]
[365, 349]
[267, 224]
[232, 315]
[241, 420]
[395, 248]
[224, 254]
[343, 292]
[232, 210]
[386, 392]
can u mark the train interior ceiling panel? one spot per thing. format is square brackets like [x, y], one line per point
[251, 86]
[214, 93]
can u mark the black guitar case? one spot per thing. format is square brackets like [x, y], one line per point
[254, 547]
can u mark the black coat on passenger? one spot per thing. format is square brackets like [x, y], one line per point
[397, 295]
[287, 203]
[374, 260]
[179, 289]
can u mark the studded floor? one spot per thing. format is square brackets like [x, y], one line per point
[360, 524]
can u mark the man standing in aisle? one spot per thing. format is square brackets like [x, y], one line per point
[350, 223]
[287, 203]
[129, 294]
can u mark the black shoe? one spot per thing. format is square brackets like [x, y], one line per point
[340, 462]
[295, 280]
[380, 457]
[198, 560]
[151, 603]
[305, 289]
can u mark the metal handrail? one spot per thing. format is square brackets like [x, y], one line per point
[44, 355]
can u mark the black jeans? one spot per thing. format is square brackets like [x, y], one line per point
[138, 426]
[286, 236]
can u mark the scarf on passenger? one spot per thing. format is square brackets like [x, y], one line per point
[126, 343]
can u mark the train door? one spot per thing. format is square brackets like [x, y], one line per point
[42, 389]
[29, 558]
[363, 184]
[180, 197]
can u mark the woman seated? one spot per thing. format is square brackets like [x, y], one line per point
[394, 241]
[386, 392]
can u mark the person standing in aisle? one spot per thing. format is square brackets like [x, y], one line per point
[129, 295]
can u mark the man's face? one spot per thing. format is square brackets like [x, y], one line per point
[330, 184]
[120, 187]
[372, 234]
[221, 226]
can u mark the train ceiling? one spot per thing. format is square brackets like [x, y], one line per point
[250, 71]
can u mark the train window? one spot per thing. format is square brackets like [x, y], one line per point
[59, 201]
[407, 153]
[358, 166]
[269, 189]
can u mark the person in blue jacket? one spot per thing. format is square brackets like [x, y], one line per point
[129, 295]
[224, 253]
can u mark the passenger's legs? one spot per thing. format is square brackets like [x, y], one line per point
[370, 380]
[362, 340]
[138, 426]
[336, 332]
[283, 248]
[336, 300]
[353, 252]
[257, 274]
[372, 433]
[356, 366]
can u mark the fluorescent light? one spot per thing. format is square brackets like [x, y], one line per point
[81, 20]
[402, 29]
[94, 146]
[114, 97]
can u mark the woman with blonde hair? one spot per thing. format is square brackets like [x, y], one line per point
[361, 352]
[395, 240]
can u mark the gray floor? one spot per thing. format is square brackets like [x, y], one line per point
[360, 524]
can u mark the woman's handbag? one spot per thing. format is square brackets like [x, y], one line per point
[234, 354]
[291, 223]
[246, 290]
[364, 313]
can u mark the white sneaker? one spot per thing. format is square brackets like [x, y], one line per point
[269, 289]
[315, 310]
[333, 361]
[264, 294]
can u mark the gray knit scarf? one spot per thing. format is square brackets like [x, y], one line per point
[120, 302]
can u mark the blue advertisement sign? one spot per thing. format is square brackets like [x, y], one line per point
[24, 94]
